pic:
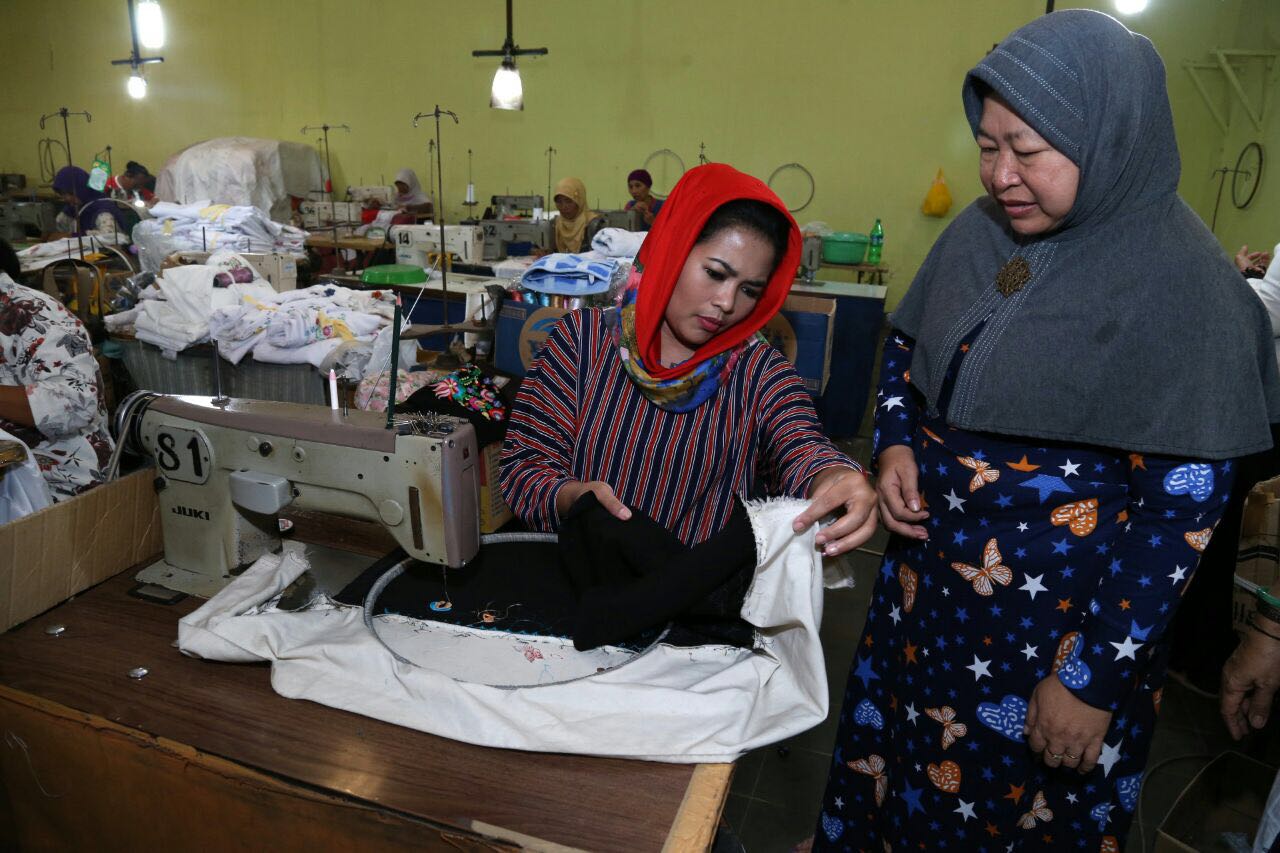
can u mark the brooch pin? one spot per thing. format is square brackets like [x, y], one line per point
[1013, 276]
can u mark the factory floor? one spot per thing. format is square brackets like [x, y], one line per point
[776, 792]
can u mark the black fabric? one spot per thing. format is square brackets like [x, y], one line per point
[631, 576]
[524, 588]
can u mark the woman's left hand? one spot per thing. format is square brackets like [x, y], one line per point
[845, 488]
[1066, 730]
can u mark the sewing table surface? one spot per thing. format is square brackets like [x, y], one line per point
[230, 711]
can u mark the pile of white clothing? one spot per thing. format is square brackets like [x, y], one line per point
[41, 255]
[300, 326]
[181, 317]
[202, 226]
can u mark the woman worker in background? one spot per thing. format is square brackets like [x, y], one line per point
[135, 179]
[570, 198]
[410, 197]
[639, 183]
[671, 404]
[88, 211]
[1056, 433]
[50, 385]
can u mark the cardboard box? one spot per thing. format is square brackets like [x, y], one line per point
[49, 556]
[494, 511]
[1228, 795]
[802, 331]
[1258, 556]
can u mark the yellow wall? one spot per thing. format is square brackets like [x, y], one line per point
[864, 93]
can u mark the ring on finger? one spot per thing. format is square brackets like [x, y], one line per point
[1056, 755]
[1070, 756]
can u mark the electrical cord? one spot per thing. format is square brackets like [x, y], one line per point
[44, 154]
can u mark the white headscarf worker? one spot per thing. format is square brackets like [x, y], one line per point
[409, 194]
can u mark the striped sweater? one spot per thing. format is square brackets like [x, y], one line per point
[579, 417]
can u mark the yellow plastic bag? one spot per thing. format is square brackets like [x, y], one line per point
[938, 200]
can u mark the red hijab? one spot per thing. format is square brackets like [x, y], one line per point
[663, 254]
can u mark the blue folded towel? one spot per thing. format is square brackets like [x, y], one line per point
[569, 275]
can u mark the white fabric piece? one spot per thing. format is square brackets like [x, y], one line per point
[240, 170]
[703, 704]
[22, 487]
[312, 354]
[1268, 290]
[40, 255]
[618, 242]
[1269, 826]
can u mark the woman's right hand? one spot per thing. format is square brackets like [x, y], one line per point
[574, 489]
[900, 507]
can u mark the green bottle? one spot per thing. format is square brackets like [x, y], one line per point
[877, 243]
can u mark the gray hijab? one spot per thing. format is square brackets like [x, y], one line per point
[1134, 330]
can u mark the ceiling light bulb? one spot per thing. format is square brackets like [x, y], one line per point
[150, 24]
[1130, 7]
[507, 92]
[137, 85]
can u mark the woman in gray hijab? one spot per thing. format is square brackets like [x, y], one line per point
[1070, 378]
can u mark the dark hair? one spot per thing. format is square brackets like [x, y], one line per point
[133, 167]
[764, 219]
[9, 262]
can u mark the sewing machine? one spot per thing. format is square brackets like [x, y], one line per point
[227, 468]
[20, 220]
[465, 243]
[515, 205]
[498, 233]
[324, 214]
[627, 220]
[383, 195]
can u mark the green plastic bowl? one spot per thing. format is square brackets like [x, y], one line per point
[844, 247]
[394, 274]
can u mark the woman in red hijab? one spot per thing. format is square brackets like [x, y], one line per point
[671, 402]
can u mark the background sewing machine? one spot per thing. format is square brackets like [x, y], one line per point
[500, 233]
[326, 214]
[501, 206]
[465, 243]
[361, 194]
[627, 220]
[22, 219]
[226, 471]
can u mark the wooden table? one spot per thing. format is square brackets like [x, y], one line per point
[206, 754]
[320, 240]
[873, 272]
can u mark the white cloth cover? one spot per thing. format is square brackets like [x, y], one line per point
[618, 242]
[683, 705]
[22, 487]
[242, 171]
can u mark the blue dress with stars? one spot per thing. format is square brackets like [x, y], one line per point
[1041, 559]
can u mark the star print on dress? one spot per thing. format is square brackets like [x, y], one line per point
[1100, 550]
